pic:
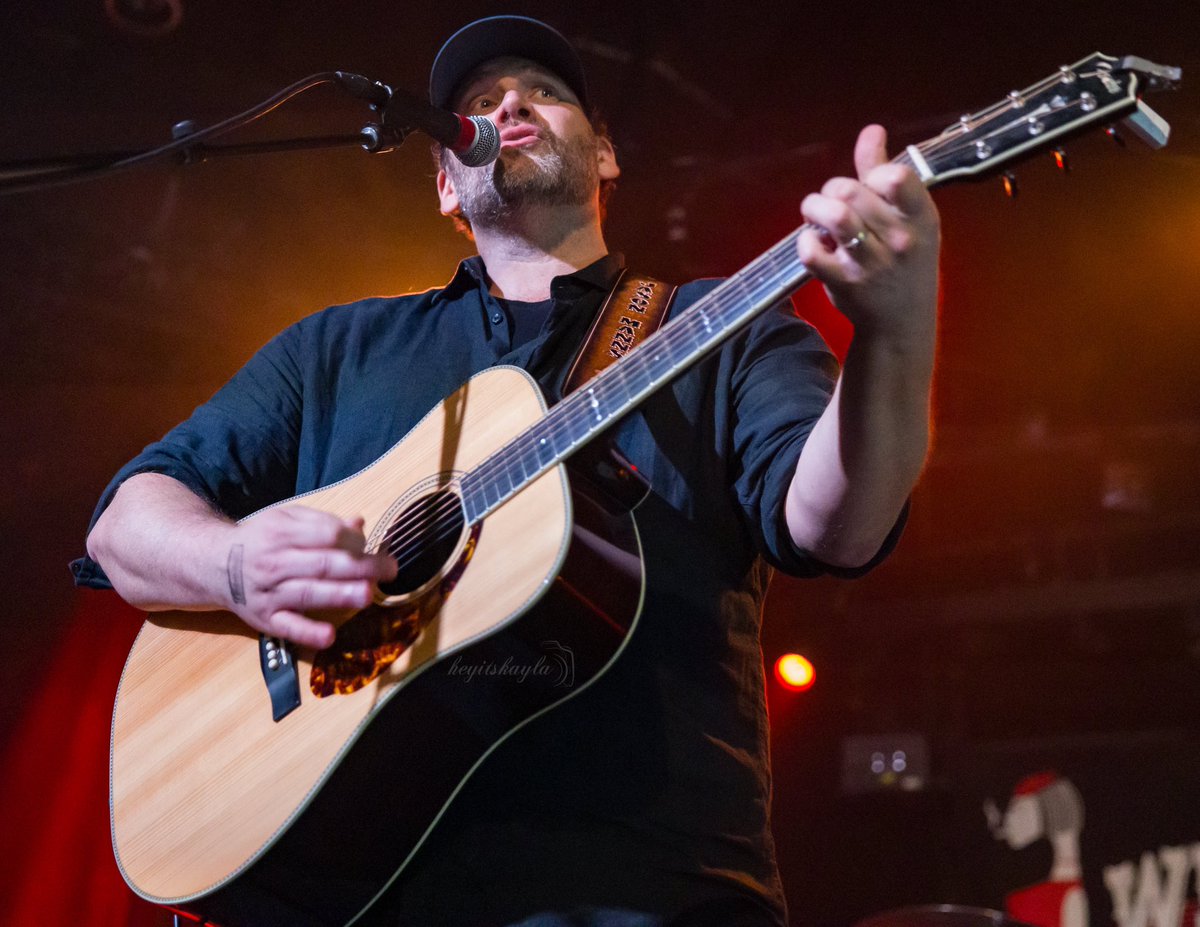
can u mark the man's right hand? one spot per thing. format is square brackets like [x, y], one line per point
[164, 548]
[288, 562]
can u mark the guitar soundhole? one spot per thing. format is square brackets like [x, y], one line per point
[422, 539]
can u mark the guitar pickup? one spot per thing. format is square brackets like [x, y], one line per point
[280, 674]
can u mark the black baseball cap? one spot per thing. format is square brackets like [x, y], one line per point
[499, 36]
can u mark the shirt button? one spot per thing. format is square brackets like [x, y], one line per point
[497, 318]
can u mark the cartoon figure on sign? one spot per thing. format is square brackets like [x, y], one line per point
[1045, 806]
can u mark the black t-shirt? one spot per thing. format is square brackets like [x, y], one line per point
[650, 790]
[525, 319]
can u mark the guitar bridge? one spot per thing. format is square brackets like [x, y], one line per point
[279, 673]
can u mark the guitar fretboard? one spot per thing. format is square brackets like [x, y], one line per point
[582, 415]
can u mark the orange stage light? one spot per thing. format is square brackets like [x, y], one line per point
[794, 672]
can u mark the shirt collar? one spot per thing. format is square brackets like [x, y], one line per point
[600, 275]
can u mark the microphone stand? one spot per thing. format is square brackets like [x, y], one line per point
[189, 145]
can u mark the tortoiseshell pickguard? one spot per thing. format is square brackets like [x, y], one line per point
[373, 639]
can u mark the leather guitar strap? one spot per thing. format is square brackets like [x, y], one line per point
[635, 309]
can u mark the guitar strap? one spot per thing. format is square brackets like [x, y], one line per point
[635, 309]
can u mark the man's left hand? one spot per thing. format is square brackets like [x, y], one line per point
[876, 249]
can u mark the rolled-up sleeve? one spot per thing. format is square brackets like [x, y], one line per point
[237, 451]
[782, 382]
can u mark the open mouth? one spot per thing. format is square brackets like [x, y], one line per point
[520, 137]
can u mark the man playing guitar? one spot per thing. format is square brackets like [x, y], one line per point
[644, 800]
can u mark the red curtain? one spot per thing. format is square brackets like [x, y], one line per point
[59, 869]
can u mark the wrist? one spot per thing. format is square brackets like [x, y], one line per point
[907, 343]
[216, 540]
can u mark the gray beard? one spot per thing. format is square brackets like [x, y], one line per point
[560, 173]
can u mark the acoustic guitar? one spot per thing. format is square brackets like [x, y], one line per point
[253, 785]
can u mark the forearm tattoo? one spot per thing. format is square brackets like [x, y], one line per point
[237, 587]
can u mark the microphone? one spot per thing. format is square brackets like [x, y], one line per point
[474, 140]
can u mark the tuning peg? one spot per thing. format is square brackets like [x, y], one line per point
[1111, 132]
[1060, 160]
[1010, 184]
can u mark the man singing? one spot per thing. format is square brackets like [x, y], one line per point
[645, 799]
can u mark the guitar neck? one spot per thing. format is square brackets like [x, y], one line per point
[617, 390]
[1095, 90]
[663, 356]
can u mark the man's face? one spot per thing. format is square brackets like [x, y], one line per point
[549, 153]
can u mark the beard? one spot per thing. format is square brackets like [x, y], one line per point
[555, 172]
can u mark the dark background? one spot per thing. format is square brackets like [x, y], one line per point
[1044, 606]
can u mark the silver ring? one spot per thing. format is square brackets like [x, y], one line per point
[856, 241]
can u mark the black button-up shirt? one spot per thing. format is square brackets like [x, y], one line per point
[650, 789]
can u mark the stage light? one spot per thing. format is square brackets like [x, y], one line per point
[794, 672]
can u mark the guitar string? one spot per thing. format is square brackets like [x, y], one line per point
[426, 526]
[951, 139]
[441, 516]
[954, 135]
[503, 460]
[575, 417]
[762, 270]
[752, 275]
[765, 270]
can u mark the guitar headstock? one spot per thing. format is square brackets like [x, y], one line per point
[1095, 91]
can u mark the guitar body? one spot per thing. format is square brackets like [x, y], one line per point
[221, 811]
